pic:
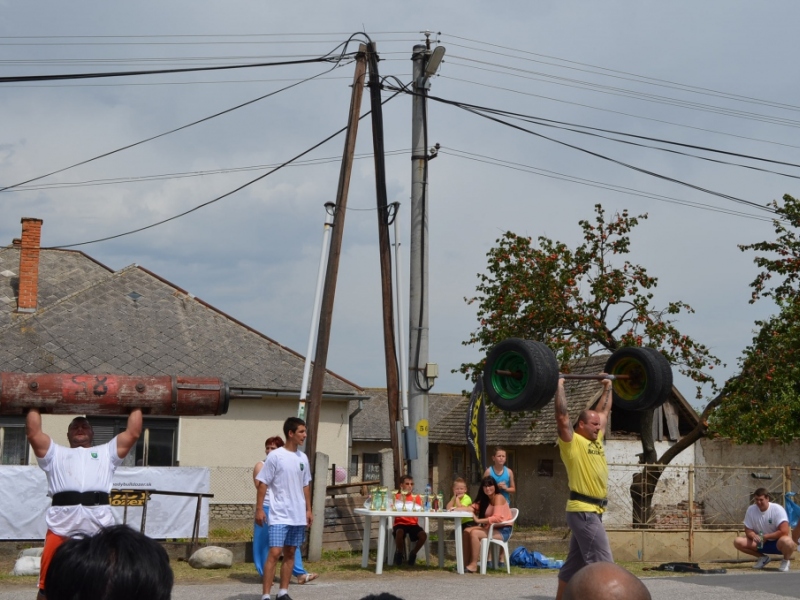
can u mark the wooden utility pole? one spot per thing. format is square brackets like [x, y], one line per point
[389, 347]
[332, 270]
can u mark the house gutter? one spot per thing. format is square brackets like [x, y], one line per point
[253, 393]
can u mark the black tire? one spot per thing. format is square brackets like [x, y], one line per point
[651, 378]
[535, 380]
[666, 376]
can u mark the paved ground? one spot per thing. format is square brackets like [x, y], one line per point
[435, 586]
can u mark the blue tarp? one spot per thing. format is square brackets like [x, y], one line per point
[792, 510]
[522, 557]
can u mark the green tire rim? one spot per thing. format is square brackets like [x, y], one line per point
[505, 386]
[630, 390]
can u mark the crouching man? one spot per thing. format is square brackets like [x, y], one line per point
[766, 529]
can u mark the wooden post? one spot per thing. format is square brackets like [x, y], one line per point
[332, 270]
[389, 346]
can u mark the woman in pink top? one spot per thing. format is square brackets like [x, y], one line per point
[490, 507]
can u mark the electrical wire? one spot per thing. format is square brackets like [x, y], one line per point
[490, 160]
[617, 112]
[626, 93]
[24, 78]
[218, 198]
[479, 111]
[626, 76]
[149, 139]
[189, 174]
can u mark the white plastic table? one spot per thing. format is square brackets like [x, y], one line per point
[384, 515]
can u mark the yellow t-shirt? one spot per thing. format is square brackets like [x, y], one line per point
[587, 470]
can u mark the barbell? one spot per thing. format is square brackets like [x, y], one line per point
[522, 375]
[68, 394]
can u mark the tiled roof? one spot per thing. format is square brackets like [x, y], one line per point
[372, 423]
[92, 320]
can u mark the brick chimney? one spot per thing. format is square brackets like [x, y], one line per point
[29, 265]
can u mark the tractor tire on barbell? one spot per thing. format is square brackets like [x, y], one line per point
[650, 382]
[536, 380]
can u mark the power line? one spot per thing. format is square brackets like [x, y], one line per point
[638, 78]
[190, 174]
[105, 154]
[625, 93]
[479, 111]
[24, 78]
[225, 195]
[593, 183]
[617, 112]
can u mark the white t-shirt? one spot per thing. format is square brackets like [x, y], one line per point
[79, 470]
[768, 521]
[286, 474]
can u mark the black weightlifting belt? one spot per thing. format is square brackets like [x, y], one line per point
[601, 502]
[84, 498]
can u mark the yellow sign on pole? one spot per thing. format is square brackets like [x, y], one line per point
[422, 427]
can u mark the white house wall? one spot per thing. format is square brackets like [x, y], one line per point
[236, 439]
[672, 486]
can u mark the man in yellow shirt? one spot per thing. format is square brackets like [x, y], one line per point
[585, 459]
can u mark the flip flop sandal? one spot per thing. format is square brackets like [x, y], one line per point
[303, 579]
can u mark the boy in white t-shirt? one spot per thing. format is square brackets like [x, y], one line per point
[766, 529]
[287, 475]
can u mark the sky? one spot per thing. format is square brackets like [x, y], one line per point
[718, 74]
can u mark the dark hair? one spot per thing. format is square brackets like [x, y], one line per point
[402, 479]
[117, 563]
[498, 449]
[482, 499]
[291, 424]
[275, 439]
[77, 419]
[762, 492]
[382, 596]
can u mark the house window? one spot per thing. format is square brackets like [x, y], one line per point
[372, 467]
[157, 446]
[354, 465]
[458, 463]
[545, 468]
[13, 443]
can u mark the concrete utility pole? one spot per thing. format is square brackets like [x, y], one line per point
[420, 377]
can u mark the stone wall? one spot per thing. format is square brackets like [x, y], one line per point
[231, 512]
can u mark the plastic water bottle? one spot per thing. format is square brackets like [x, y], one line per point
[760, 545]
[427, 500]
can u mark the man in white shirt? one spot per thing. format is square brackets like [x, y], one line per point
[79, 479]
[766, 529]
[287, 476]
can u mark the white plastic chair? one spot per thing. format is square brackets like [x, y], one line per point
[498, 543]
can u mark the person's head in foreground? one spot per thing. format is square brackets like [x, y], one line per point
[117, 563]
[605, 581]
[382, 596]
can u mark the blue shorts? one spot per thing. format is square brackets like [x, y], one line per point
[286, 535]
[504, 531]
[770, 547]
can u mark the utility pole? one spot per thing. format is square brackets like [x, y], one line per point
[419, 373]
[389, 348]
[332, 269]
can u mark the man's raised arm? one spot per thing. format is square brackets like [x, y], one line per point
[127, 439]
[562, 416]
[39, 440]
[603, 408]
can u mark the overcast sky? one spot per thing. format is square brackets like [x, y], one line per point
[718, 74]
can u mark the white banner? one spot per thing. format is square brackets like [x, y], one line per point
[24, 500]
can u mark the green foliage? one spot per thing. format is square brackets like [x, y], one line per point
[577, 301]
[763, 401]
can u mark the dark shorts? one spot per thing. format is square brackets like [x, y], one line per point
[770, 547]
[411, 531]
[588, 544]
[504, 531]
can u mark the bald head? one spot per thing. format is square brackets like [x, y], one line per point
[605, 581]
